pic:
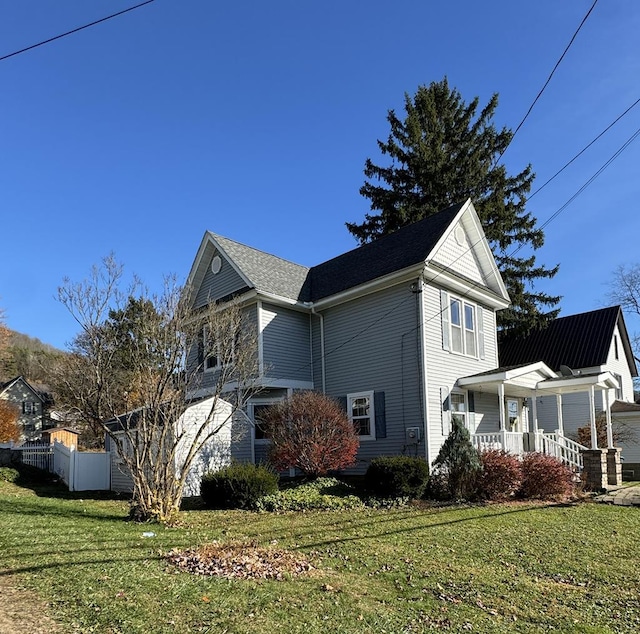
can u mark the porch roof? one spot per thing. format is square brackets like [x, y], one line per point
[518, 380]
[523, 380]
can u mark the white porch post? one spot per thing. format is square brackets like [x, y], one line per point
[534, 411]
[560, 421]
[592, 416]
[503, 425]
[607, 409]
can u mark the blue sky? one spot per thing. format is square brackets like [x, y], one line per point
[254, 120]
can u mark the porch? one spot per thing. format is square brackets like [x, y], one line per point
[518, 390]
[555, 444]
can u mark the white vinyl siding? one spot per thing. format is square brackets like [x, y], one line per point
[444, 368]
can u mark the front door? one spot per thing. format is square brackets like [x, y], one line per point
[514, 422]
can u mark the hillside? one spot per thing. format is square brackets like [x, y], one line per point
[28, 357]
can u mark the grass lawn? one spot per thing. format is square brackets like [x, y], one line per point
[497, 568]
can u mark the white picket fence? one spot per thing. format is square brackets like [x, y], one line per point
[82, 470]
[40, 456]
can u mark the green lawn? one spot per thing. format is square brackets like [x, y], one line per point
[497, 568]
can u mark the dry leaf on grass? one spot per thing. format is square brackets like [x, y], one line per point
[240, 561]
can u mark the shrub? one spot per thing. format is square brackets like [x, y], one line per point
[321, 494]
[545, 477]
[458, 461]
[238, 486]
[500, 476]
[9, 474]
[310, 432]
[397, 476]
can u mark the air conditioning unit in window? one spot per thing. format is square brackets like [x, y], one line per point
[412, 435]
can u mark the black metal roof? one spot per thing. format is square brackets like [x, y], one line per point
[576, 341]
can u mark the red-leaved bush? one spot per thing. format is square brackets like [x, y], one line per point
[500, 477]
[311, 432]
[545, 477]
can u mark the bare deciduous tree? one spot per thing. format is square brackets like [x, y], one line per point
[126, 375]
[625, 290]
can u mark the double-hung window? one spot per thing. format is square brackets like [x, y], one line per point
[361, 411]
[459, 407]
[464, 332]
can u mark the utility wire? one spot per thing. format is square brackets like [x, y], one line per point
[474, 285]
[526, 116]
[621, 149]
[584, 149]
[80, 28]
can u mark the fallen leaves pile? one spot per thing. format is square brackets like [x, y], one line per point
[240, 561]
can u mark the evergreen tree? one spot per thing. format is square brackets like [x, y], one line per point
[458, 461]
[442, 154]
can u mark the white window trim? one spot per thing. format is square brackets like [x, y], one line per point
[465, 399]
[252, 404]
[372, 412]
[463, 327]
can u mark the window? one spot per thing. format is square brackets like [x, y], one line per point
[458, 404]
[360, 409]
[615, 345]
[619, 394]
[28, 407]
[462, 317]
[212, 360]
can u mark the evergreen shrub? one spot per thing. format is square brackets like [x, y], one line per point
[458, 462]
[397, 476]
[238, 486]
[322, 494]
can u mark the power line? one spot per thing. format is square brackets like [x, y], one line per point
[80, 28]
[585, 148]
[546, 83]
[475, 284]
[621, 149]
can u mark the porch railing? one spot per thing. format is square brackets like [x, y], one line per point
[556, 445]
[564, 449]
[508, 440]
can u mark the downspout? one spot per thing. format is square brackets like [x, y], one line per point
[322, 368]
[423, 367]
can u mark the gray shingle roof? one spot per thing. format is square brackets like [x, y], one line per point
[405, 247]
[268, 273]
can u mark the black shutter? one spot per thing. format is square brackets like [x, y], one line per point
[342, 401]
[381, 417]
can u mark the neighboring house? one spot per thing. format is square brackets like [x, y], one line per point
[215, 453]
[31, 404]
[582, 346]
[401, 330]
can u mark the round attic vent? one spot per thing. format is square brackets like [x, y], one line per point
[216, 264]
[461, 238]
